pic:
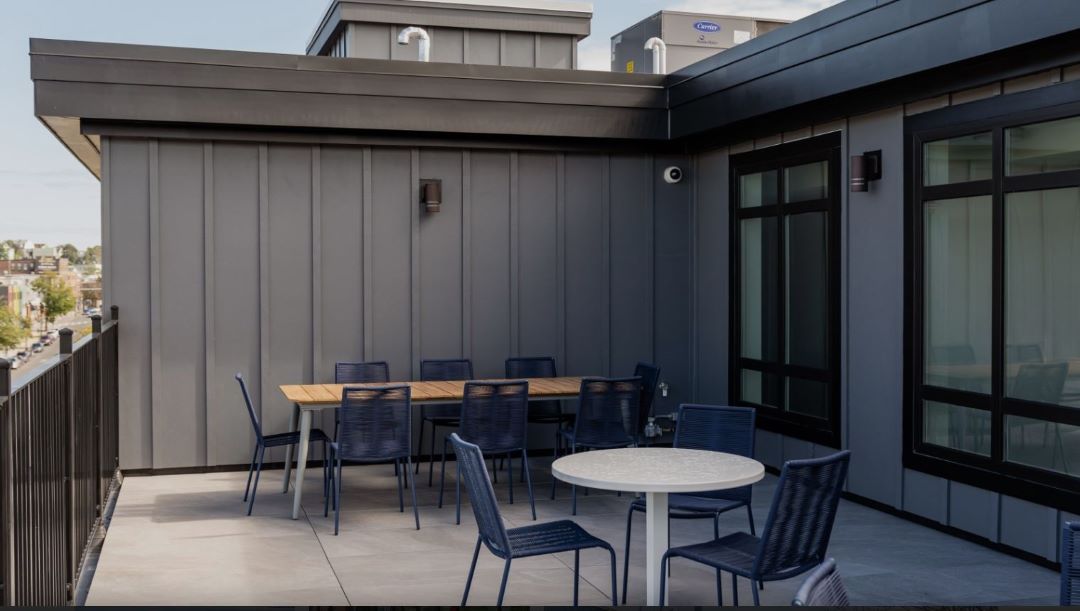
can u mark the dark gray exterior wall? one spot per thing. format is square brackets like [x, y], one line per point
[276, 260]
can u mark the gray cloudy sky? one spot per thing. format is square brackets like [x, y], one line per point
[47, 196]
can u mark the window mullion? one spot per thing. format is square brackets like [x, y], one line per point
[997, 357]
[782, 304]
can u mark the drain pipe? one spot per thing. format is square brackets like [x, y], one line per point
[408, 34]
[659, 54]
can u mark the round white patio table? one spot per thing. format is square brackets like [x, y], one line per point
[657, 472]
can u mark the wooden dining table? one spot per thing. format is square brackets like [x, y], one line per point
[310, 398]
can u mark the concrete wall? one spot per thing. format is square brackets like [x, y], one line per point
[277, 260]
[872, 297]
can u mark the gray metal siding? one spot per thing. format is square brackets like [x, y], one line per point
[277, 260]
[711, 277]
[672, 283]
[483, 48]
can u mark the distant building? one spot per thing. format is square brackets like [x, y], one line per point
[18, 266]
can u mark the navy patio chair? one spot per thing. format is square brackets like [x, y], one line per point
[271, 441]
[1070, 564]
[540, 412]
[717, 429]
[823, 588]
[376, 427]
[795, 537]
[493, 419]
[445, 416]
[376, 372]
[650, 378]
[607, 418]
[522, 542]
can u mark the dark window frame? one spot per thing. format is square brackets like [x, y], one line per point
[820, 148]
[991, 473]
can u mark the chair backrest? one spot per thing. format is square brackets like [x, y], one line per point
[797, 531]
[531, 367]
[718, 429]
[377, 372]
[250, 408]
[1040, 382]
[376, 423]
[1024, 353]
[481, 496]
[650, 377]
[823, 588]
[1070, 564]
[607, 412]
[493, 415]
[959, 354]
[438, 370]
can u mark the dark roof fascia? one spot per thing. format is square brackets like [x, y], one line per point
[508, 18]
[893, 42]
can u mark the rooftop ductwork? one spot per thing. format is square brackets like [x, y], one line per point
[413, 33]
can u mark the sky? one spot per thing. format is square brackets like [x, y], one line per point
[46, 195]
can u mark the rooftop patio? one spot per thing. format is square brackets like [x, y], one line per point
[184, 539]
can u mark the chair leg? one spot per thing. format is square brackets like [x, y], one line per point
[251, 470]
[431, 455]
[757, 601]
[420, 443]
[719, 589]
[457, 493]
[400, 489]
[524, 464]
[735, 590]
[577, 574]
[614, 579]
[750, 516]
[494, 471]
[409, 481]
[472, 569]
[337, 496]
[663, 579]
[442, 476]
[329, 487]
[502, 587]
[258, 472]
[510, 476]
[626, 556]
[528, 481]
[555, 456]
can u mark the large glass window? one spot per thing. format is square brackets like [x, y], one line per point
[785, 318]
[995, 325]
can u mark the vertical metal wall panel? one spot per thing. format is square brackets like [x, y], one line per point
[448, 45]
[1030, 527]
[129, 228]
[712, 263]
[482, 47]
[554, 51]
[926, 496]
[180, 422]
[236, 302]
[768, 448]
[536, 252]
[672, 284]
[974, 510]
[875, 313]
[391, 252]
[518, 49]
[631, 223]
[440, 260]
[586, 278]
[490, 260]
[289, 191]
[370, 41]
[342, 253]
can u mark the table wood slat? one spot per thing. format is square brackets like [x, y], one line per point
[313, 395]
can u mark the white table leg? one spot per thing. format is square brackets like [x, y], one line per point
[301, 461]
[656, 543]
[289, 450]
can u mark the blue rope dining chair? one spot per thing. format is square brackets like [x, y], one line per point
[796, 533]
[493, 418]
[446, 416]
[523, 542]
[376, 426]
[1070, 564]
[540, 412]
[823, 588]
[717, 429]
[376, 372]
[607, 417]
[271, 441]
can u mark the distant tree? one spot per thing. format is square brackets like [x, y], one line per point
[57, 298]
[12, 329]
[92, 255]
[15, 249]
[69, 252]
[4, 250]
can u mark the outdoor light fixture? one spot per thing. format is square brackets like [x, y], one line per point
[431, 195]
[864, 169]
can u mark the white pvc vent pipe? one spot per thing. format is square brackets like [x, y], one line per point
[408, 34]
[659, 54]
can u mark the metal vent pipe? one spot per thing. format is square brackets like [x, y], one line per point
[659, 54]
[408, 34]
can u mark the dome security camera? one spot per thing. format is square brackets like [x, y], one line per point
[673, 175]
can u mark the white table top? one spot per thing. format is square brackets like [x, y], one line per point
[658, 470]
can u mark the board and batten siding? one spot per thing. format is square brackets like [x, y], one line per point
[277, 260]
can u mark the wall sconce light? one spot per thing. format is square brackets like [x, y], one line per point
[431, 195]
[864, 169]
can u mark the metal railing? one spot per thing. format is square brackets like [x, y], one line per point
[59, 443]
